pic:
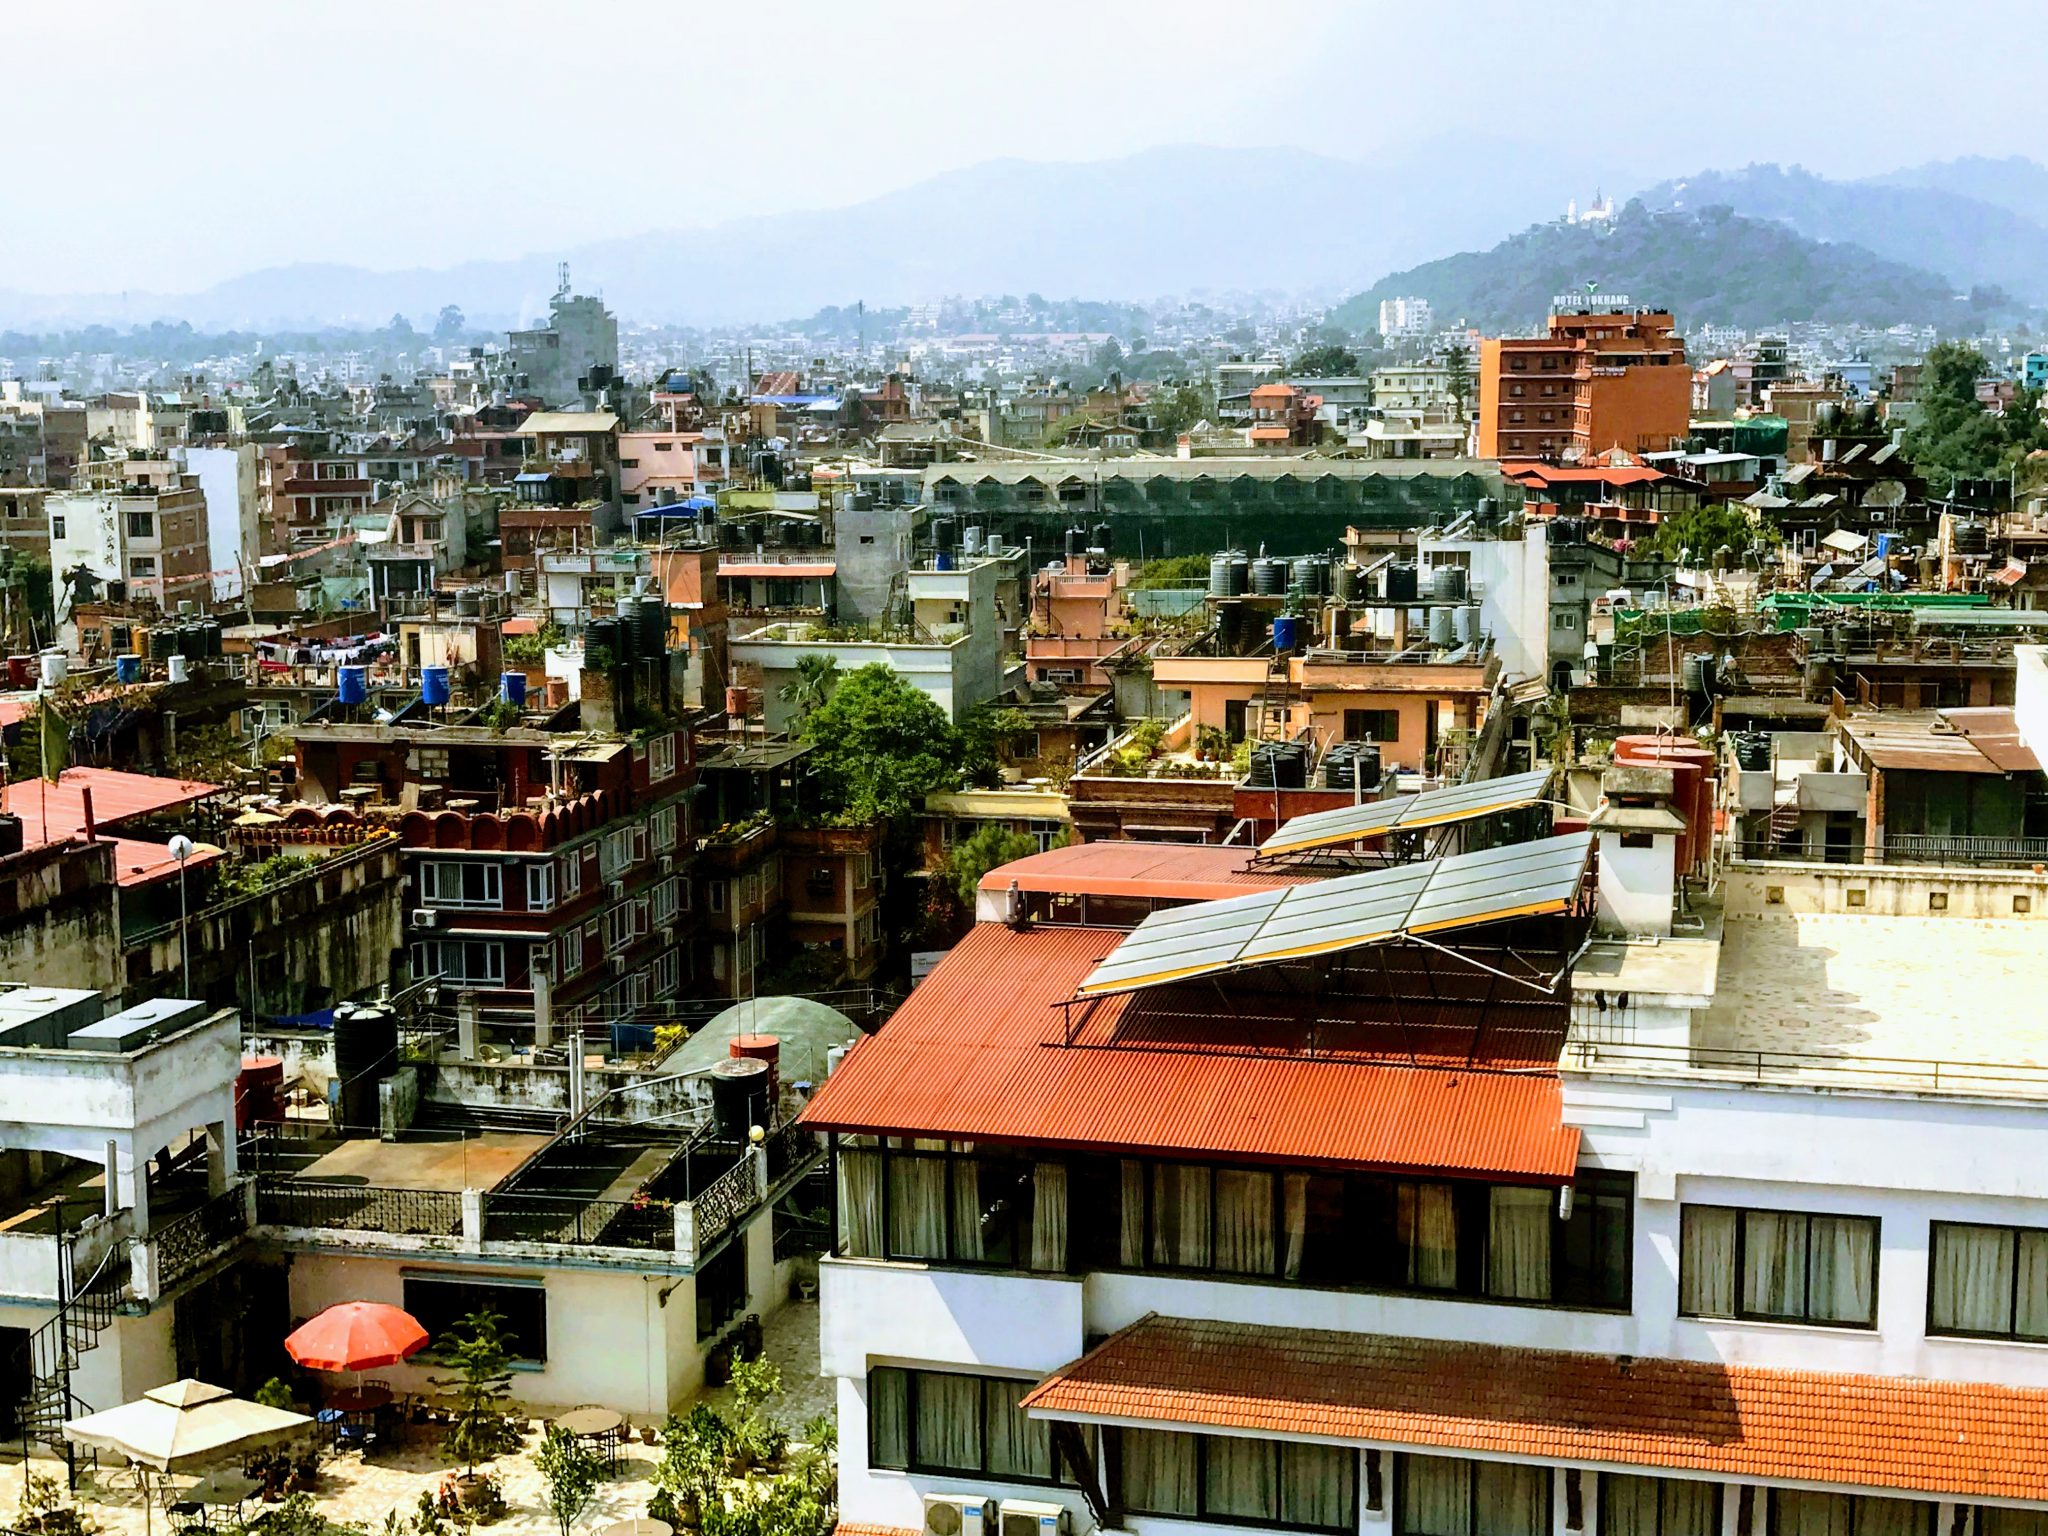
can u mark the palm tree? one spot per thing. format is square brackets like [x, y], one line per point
[812, 685]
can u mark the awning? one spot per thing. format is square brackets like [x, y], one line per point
[182, 1424]
[1952, 1439]
[1847, 542]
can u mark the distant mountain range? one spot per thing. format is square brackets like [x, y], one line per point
[1187, 220]
[1711, 266]
[1167, 221]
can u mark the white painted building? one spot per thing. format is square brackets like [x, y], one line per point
[1404, 316]
[1739, 1231]
[227, 477]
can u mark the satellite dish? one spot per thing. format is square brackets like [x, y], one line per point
[181, 847]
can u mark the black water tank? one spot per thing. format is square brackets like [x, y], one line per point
[739, 1095]
[1403, 583]
[365, 1052]
[1278, 765]
[601, 635]
[653, 626]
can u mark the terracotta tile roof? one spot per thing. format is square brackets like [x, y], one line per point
[978, 1053]
[1958, 1439]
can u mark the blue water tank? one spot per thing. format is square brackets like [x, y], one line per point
[128, 669]
[352, 686]
[512, 687]
[1285, 632]
[943, 560]
[434, 685]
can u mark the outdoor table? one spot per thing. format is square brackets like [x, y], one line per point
[599, 1424]
[644, 1526]
[359, 1400]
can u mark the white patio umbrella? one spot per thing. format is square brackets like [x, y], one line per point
[181, 1426]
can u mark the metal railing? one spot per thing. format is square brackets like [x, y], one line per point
[513, 1217]
[187, 1245]
[1931, 848]
[357, 1208]
[723, 1202]
[1806, 1068]
[789, 1149]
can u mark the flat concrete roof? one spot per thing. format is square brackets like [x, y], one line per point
[1910, 989]
[451, 1166]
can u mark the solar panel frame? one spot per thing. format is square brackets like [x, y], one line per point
[1428, 808]
[1348, 912]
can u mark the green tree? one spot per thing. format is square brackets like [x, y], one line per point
[988, 848]
[1326, 360]
[449, 323]
[880, 746]
[812, 685]
[1702, 530]
[474, 1349]
[1458, 373]
[570, 1472]
[1181, 409]
[1956, 437]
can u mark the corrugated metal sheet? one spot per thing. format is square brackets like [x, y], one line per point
[57, 810]
[977, 1053]
[1163, 871]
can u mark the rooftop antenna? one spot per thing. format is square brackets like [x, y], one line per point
[562, 280]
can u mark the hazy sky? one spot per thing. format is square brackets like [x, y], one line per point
[175, 145]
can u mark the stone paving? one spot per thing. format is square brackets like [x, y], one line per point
[359, 1491]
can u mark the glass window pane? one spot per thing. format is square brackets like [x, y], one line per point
[1238, 1478]
[1842, 1260]
[1894, 1517]
[947, 1426]
[1436, 1496]
[1972, 1279]
[1691, 1507]
[1518, 1242]
[1706, 1266]
[860, 1202]
[917, 1207]
[1773, 1264]
[1244, 1222]
[1509, 1500]
[1158, 1471]
[1427, 1218]
[1180, 1216]
[889, 1418]
[2031, 1320]
[1318, 1486]
[1628, 1505]
[1795, 1512]
[1018, 1446]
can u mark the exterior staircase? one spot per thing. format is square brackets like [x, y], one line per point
[54, 1350]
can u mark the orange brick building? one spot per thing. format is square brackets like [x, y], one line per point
[1613, 378]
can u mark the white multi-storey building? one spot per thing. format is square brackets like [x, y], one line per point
[1404, 317]
[1342, 1208]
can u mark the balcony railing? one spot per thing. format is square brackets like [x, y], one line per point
[1805, 1069]
[187, 1245]
[723, 1202]
[358, 1208]
[515, 1217]
[789, 1149]
[1930, 848]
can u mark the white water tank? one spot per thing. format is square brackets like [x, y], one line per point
[56, 666]
[176, 669]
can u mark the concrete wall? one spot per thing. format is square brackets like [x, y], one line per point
[63, 928]
[1887, 890]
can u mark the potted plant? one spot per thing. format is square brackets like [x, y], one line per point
[481, 1383]
[570, 1472]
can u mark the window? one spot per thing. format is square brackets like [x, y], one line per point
[540, 887]
[1798, 1512]
[1658, 1506]
[572, 953]
[715, 891]
[661, 829]
[661, 758]
[665, 975]
[1024, 745]
[629, 463]
[919, 1201]
[1988, 1282]
[461, 883]
[623, 923]
[141, 525]
[477, 962]
[571, 872]
[1564, 621]
[939, 1421]
[1241, 1480]
[666, 903]
[1451, 1496]
[1372, 725]
[440, 1301]
[56, 527]
[1783, 1265]
[142, 565]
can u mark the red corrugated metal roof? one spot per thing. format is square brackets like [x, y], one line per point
[771, 568]
[57, 810]
[977, 1053]
[1559, 474]
[138, 864]
[1955, 1438]
[1169, 871]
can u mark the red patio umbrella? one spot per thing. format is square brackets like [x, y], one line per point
[356, 1336]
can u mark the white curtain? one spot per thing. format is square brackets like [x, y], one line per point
[1511, 1500]
[1244, 1222]
[1018, 1446]
[1180, 1216]
[860, 1202]
[1706, 1262]
[1294, 1217]
[1131, 1244]
[1158, 1470]
[2031, 1318]
[1842, 1252]
[917, 1207]
[1318, 1485]
[1518, 1243]
[1049, 1217]
[889, 1417]
[1427, 1220]
[1972, 1279]
[1774, 1263]
[948, 1421]
[1239, 1480]
[1436, 1496]
[967, 1240]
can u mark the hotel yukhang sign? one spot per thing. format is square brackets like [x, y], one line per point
[1570, 301]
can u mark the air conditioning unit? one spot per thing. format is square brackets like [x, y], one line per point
[668, 863]
[618, 965]
[668, 933]
[1029, 1517]
[618, 890]
[1877, 514]
[426, 917]
[958, 1514]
